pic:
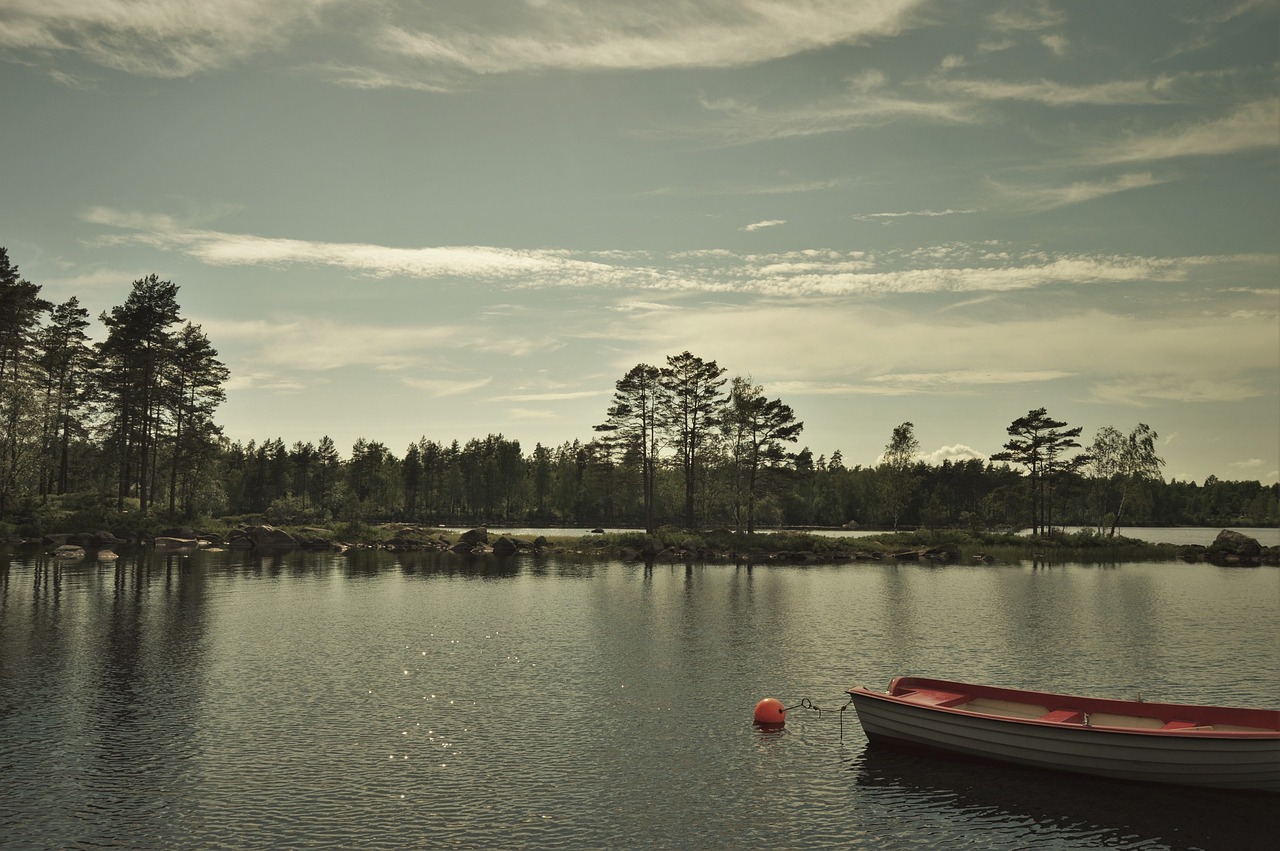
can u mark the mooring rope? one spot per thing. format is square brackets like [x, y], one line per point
[805, 703]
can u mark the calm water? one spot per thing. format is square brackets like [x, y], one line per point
[319, 700]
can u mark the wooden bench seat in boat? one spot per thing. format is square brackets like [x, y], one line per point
[1004, 708]
[931, 697]
[1139, 722]
[1063, 716]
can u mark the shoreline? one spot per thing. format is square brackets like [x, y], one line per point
[937, 546]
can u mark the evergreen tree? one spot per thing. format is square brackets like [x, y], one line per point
[20, 421]
[756, 429]
[64, 358]
[131, 371]
[195, 389]
[632, 426]
[1037, 443]
[690, 411]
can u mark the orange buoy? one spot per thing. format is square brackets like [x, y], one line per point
[770, 712]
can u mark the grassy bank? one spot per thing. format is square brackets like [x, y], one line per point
[945, 544]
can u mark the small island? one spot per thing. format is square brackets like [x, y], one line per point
[668, 544]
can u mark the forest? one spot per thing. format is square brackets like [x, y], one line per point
[121, 434]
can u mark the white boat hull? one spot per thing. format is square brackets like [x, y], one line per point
[1145, 756]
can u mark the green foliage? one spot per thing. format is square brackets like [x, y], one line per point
[142, 450]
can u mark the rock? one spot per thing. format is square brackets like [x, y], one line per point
[942, 552]
[479, 535]
[540, 542]
[505, 546]
[269, 537]
[68, 551]
[165, 542]
[314, 540]
[103, 538]
[1231, 547]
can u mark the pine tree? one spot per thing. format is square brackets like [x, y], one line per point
[690, 411]
[632, 426]
[130, 376]
[756, 429]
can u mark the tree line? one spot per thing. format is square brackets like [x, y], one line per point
[122, 433]
[129, 418]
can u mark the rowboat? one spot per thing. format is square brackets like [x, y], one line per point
[1187, 745]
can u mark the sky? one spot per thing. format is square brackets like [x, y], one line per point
[398, 220]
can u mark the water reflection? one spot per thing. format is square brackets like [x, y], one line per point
[1020, 803]
[365, 698]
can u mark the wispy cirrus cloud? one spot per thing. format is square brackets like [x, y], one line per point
[926, 214]
[155, 39]
[448, 386]
[1249, 126]
[308, 345]
[1051, 93]
[949, 268]
[427, 47]
[734, 121]
[1039, 198]
[231, 249]
[563, 396]
[581, 35]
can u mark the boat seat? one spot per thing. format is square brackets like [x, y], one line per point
[933, 697]
[1141, 722]
[1063, 716]
[1006, 708]
[1181, 725]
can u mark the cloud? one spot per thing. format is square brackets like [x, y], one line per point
[955, 452]
[379, 261]
[771, 223]
[1052, 197]
[912, 214]
[751, 189]
[582, 35]
[428, 47]
[1057, 44]
[952, 382]
[732, 121]
[309, 344]
[447, 386]
[949, 268]
[531, 414]
[1247, 127]
[838, 348]
[1141, 391]
[155, 39]
[1025, 17]
[1159, 90]
[551, 397]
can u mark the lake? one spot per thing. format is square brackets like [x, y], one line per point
[366, 700]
